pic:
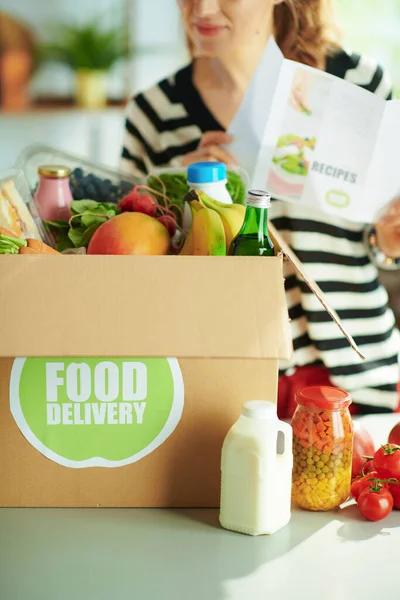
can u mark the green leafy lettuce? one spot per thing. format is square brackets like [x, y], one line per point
[86, 217]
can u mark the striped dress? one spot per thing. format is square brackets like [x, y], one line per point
[167, 121]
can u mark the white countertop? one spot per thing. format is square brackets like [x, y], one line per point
[105, 554]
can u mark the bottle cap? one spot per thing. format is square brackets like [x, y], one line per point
[259, 409]
[206, 172]
[258, 199]
[54, 171]
[323, 397]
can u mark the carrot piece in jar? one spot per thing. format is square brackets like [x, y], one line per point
[305, 444]
[302, 426]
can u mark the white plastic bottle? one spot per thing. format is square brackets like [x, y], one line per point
[211, 178]
[256, 472]
[208, 177]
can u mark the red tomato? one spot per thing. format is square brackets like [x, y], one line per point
[394, 489]
[363, 445]
[375, 504]
[363, 483]
[369, 467]
[394, 435]
[387, 461]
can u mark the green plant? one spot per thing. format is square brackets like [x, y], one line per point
[89, 46]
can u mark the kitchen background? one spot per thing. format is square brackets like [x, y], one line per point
[151, 28]
[48, 113]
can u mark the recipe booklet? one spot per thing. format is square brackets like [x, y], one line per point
[310, 137]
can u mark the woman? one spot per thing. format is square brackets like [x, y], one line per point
[183, 119]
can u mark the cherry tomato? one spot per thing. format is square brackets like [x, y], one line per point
[369, 480]
[363, 483]
[394, 435]
[369, 467]
[394, 489]
[363, 445]
[387, 461]
[375, 504]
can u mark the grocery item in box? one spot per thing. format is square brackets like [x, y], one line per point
[17, 212]
[11, 244]
[53, 196]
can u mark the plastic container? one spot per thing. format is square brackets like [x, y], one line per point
[34, 156]
[256, 472]
[322, 448]
[24, 196]
[53, 196]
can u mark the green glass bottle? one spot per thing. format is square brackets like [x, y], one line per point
[253, 238]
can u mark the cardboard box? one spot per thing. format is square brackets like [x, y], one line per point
[122, 431]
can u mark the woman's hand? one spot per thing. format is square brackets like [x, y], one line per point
[388, 230]
[210, 149]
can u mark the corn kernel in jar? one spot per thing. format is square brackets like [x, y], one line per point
[322, 448]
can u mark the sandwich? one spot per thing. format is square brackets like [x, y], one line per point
[14, 213]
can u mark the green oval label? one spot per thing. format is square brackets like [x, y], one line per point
[337, 198]
[96, 412]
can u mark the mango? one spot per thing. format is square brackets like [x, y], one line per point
[130, 233]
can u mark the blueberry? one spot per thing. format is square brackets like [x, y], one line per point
[91, 192]
[78, 194]
[103, 195]
[78, 173]
[99, 187]
[114, 189]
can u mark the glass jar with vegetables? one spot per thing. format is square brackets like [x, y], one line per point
[322, 448]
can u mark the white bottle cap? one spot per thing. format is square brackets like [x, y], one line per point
[259, 409]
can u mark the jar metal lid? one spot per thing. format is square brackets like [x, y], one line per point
[54, 171]
[323, 397]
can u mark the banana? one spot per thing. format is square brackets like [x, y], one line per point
[195, 205]
[232, 216]
[188, 247]
[208, 233]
